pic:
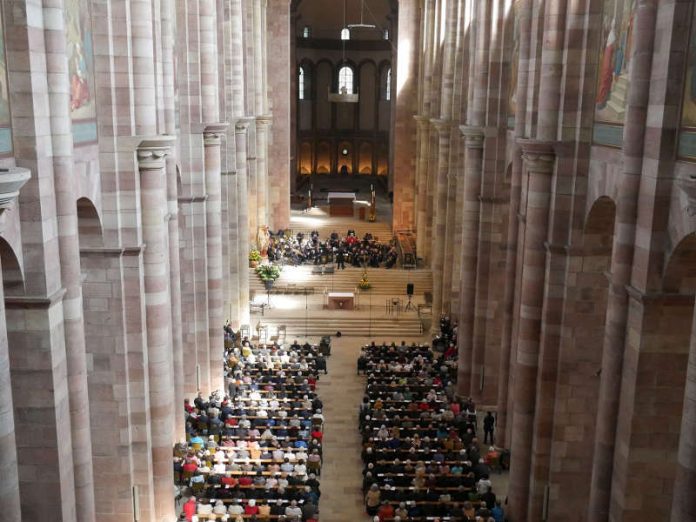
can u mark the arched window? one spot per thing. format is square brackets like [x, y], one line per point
[306, 32]
[345, 34]
[345, 80]
[301, 84]
[385, 34]
[387, 87]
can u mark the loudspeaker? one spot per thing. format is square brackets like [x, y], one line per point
[409, 288]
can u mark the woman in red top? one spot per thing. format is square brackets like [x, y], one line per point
[316, 434]
[190, 508]
[228, 480]
[245, 481]
[190, 465]
[251, 508]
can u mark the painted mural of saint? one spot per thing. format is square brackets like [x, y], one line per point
[607, 68]
[80, 58]
[79, 86]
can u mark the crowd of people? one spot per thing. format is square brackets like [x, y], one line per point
[343, 250]
[256, 452]
[421, 454]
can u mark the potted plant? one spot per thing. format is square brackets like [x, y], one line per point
[364, 283]
[254, 258]
[268, 274]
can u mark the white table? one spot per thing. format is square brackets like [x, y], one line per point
[341, 301]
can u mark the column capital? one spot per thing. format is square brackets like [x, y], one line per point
[212, 133]
[242, 124]
[473, 135]
[422, 122]
[539, 156]
[12, 179]
[152, 151]
[688, 186]
[442, 126]
[264, 119]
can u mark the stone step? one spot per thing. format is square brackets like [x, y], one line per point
[296, 327]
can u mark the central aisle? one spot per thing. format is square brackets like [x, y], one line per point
[341, 392]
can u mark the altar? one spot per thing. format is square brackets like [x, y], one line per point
[341, 203]
[341, 301]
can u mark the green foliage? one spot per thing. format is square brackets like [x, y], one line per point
[268, 272]
[254, 256]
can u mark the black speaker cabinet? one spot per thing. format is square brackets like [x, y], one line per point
[409, 288]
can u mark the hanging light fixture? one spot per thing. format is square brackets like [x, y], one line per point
[344, 95]
[362, 24]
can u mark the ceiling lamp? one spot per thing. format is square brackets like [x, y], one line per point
[344, 94]
[362, 25]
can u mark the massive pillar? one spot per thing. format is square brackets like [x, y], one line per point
[69, 245]
[421, 186]
[262, 188]
[473, 137]
[404, 127]
[539, 165]
[279, 65]
[621, 267]
[211, 140]
[241, 127]
[168, 16]
[152, 165]
[9, 486]
[684, 499]
[443, 128]
[523, 11]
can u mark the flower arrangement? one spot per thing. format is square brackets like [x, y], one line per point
[254, 258]
[268, 272]
[364, 283]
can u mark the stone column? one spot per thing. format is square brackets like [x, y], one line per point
[234, 287]
[421, 186]
[168, 21]
[211, 141]
[623, 250]
[69, 245]
[439, 218]
[280, 63]
[539, 165]
[473, 141]
[9, 485]
[240, 136]
[523, 11]
[683, 496]
[405, 102]
[262, 181]
[151, 163]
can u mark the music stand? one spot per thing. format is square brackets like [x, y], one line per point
[409, 305]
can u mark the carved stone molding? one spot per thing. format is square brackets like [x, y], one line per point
[242, 124]
[264, 119]
[539, 156]
[153, 151]
[12, 180]
[422, 122]
[443, 127]
[213, 132]
[473, 136]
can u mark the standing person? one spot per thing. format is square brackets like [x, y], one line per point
[340, 260]
[488, 428]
